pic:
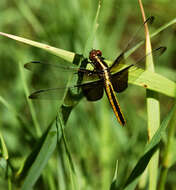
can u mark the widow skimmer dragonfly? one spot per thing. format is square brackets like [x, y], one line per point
[101, 78]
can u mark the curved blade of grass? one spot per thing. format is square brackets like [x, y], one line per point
[66, 55]
[149, 150]
[153, 108]
[113, 184]
[38, 159]
[160, 29]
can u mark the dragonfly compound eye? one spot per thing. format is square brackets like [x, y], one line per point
[99, 53]
[92, 55]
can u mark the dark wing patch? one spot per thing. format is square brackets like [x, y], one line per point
[120, 79]
[93, 90]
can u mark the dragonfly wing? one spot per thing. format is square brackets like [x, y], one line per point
[45, 75]
[56, 75]
[93, 94]
[119, 61]
[49, 94]
[60, 71]
[34, 66]
[120, 79]
[93, 91]
[156, 53]
[140, 63]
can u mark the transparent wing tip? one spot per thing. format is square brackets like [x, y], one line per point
[26, 66]
[34, 95]
[162, 49]
[29, 64]
[150, 20]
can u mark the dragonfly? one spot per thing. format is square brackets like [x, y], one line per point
[101, 78]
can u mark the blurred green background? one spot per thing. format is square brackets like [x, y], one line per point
[95, 139]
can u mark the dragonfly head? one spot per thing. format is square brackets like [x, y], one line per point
[94, 54]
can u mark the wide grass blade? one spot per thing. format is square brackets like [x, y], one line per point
[149, 150]
[152, 81]
[153, 108]
[66, 55]
[38, 159]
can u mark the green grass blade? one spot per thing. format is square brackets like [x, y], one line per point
[150, 149]
[39, 158]
[66, 55]
[169, 153]
[152, 81]
[160, 132]
[113, 184]
[160, 29]
[153, 107]
[141, 166]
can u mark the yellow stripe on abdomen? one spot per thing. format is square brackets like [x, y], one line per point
[114, 102]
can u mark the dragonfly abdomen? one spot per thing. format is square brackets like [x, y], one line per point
[114, 102]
